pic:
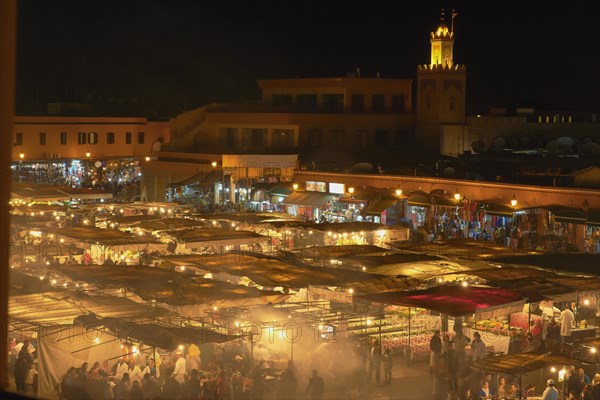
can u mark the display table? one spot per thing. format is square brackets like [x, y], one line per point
[581, 333]
[499, 343]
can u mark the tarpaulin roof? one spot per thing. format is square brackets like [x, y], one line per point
[551, 286]
[521, 363]
[201, 178]
[133, 219]
[419, 200]
[308, 199]
[340, 251]
[573, 216]
[169, 223]
[417, 269]
[248, 217]
[102, 236]
[62, 307]
[208, 235]
[451, 300]
[510, 273]
[443, 201]
[280, 191]
[502, 210]
[584, 263]
[170, 287]
[271, 272]
[164, 337]
[40, 194]
[380, 206]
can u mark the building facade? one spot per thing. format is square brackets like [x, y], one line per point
[72, 137]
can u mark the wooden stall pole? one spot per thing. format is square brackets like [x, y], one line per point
[252, 347]
[409, 355]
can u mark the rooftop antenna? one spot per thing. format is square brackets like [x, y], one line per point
[454, 14]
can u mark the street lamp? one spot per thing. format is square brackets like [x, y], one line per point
[21, 156]
[295, 186]
[214, 164]
[351, 190]
[457, 195]
[88, 154]
[398, 192]
[148, 158]
[513, 202]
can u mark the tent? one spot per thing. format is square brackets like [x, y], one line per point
[453, 300]
[521, 363]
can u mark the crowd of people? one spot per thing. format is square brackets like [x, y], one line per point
[455, 379]
[175, 380]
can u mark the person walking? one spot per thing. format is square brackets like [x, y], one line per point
[387, 366]
[180, 368]
[460, 342]
[316, 386]
[435, 345]
[377, 359]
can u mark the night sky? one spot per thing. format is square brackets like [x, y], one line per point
[165, 56]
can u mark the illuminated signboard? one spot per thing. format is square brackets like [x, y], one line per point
[316, 186]
[337, 188]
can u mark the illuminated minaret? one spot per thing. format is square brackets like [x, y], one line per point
[441, 87]
[442, 42]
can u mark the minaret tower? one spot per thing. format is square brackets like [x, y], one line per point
[442, 42]
[441, 87]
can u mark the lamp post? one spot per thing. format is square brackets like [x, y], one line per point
[21, 157]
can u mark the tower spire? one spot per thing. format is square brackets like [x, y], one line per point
[454, 14]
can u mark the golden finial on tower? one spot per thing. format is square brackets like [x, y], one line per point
[454, 14]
